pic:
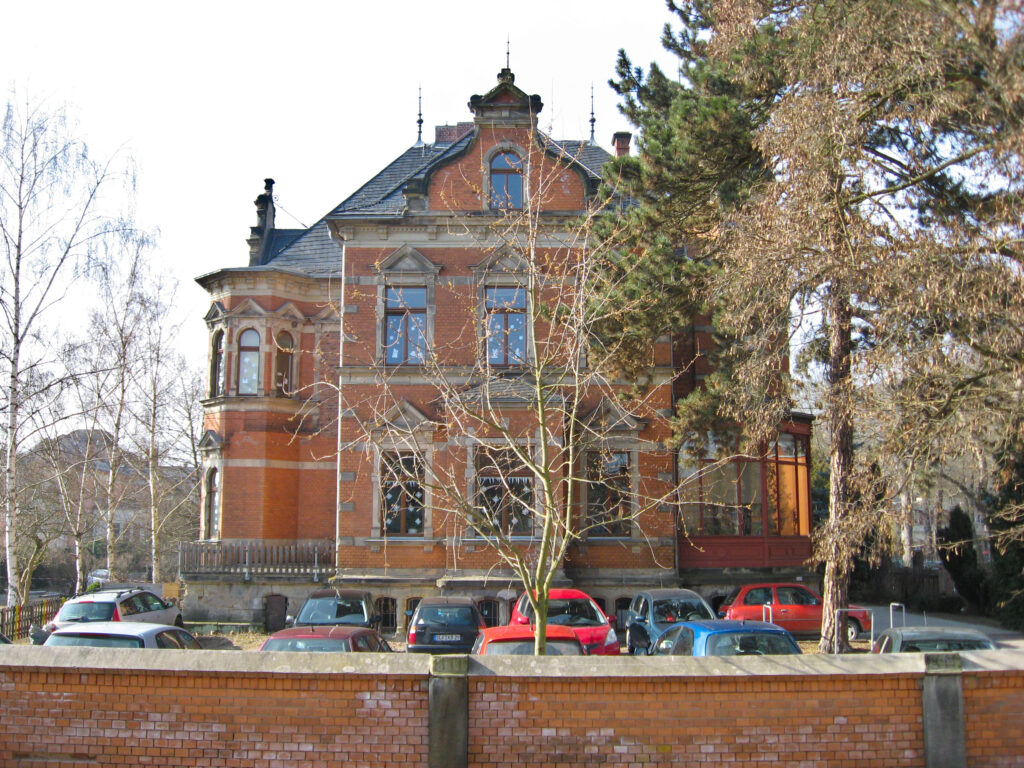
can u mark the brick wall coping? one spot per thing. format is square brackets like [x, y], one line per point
[259, 663]
[84, 659]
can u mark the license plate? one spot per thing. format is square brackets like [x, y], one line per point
[447, 638]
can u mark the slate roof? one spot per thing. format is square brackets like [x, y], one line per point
[312, 250]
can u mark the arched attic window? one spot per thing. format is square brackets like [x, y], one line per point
[506, 175]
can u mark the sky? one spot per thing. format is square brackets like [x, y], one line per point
[210, 98]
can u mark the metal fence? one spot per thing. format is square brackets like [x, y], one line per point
[15, 620]
[300, 558]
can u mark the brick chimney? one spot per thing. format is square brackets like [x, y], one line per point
[260, 234]
[620, 141]
[449, 134]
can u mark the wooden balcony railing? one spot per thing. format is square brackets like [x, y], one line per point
[312, 557]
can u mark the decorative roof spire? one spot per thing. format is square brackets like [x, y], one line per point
[508, 52]
[592, 118]
[419, 118]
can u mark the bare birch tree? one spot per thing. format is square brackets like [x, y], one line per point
[54, 214]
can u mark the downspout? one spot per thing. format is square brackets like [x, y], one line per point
[341, 410]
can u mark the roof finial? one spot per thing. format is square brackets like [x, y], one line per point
[592, 118]
[508, 52]
[419, 118]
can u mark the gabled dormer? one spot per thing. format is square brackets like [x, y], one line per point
[505, 104]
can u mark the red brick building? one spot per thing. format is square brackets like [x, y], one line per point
[350, 456]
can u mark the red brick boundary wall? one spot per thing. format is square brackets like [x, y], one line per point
[65, 707]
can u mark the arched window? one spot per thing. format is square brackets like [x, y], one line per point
[217, 384]
[211, 522]
[506, 181]
[248, 362]
[284, 361]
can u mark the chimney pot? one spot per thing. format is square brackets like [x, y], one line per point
[620, 140]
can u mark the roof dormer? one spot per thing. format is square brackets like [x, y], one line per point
[505, 104]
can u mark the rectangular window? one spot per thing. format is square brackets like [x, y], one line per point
[609, 510]
[402, 499]
[506, 325]
[504, 493]
[723, 498]
[405, 326]
[788, 484]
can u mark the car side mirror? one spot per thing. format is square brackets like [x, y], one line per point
[408, 613]
[289, 621]
[522, 620]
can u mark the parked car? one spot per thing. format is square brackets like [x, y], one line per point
[723, 637]
[654, 611]
[327, 639]
[791, 606]
[336, 606]
[100, 576]
[518, 640]
[931, 639]
[121, 634]
[444, 625]
[130, 604]
[578, 611]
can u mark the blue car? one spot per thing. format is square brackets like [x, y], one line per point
[657, 610]
[725, 637]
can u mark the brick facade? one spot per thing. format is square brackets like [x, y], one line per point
[283, 463]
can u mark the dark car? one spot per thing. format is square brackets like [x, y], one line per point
[327, 640]
[722, 637]
[791, 606]
[656, 610]
[931, 640]
[329, 607]
[444, 625]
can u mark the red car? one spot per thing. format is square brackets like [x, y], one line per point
[518, 640]
[330, 639]
[578, 611]
[790, 606]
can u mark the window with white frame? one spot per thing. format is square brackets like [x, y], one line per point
[402, 495]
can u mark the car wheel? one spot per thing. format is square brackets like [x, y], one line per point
[852, 630]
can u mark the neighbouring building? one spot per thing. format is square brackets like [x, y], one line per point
[337, 355]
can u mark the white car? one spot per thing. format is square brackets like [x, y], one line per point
[119, 634]
[129, 604]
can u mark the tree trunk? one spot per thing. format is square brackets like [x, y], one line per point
[839, 557]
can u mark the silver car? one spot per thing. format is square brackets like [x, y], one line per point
[119, 634]
[922, 639]
[128, 604]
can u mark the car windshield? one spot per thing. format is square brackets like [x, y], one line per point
[316, 644]
[680, 609]
[525, 648]
[930, 644]
[447, 615]
[86, 611]
[332, 610]
[749, 644]
[96, 640]
[574, 612]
